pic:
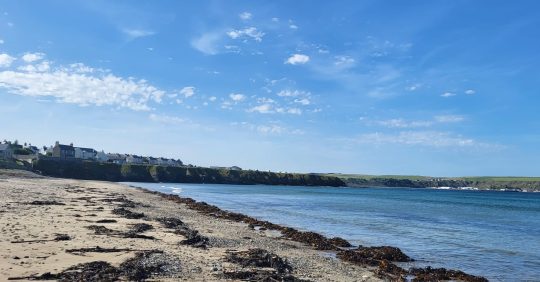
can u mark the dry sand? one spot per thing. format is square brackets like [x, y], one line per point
[86, 202]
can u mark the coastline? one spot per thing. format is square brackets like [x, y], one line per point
[310, 255]
[36, 209]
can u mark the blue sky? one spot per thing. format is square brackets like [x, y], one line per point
[442, 88]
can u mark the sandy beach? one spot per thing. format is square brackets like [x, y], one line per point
[59, 228]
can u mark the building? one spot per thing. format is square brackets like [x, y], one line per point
[133, 159]
[63, 151]
[116, 158]
[102, 157]
[153, 161]
[5, 151]
[85, 153]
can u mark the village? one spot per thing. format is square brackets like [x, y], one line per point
[28, 153]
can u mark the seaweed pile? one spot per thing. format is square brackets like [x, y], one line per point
[193, 237]
[259, 265]
[139, 268]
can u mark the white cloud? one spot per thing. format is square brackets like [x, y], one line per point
[449, 118]
[401, 123]
[237, 97]
[297, 59]
[32, 57]
[414, 87]
[292, 93]
[245, 16]
[293, 26]
[1, 41]
[248, 32]
[188, 91]
[421, 138]
[71, 84]
[263, 109]
[275, 19]
[344, 61]
[41, 67]
[166, 119]
[448, 94]
[6, 60]
[294, 111]
[303, 101]
[212, 99]
[137, 33]
[268, 129]
[470, 92]
[207, 43]
[10, 24]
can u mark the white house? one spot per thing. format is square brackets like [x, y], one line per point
[85, 153]
[102, 157]
[133, 159]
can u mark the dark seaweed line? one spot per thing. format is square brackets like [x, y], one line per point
[380, 257]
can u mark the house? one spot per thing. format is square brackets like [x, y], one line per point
[102, 157]
[85, 153]
[116, 158]
[5, 151]
[226, 168]
[63, 151]
[153, 161]
[34, 149]
[133, 159]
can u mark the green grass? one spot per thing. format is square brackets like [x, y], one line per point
[418, 177]
[367, 176]
[500, 178]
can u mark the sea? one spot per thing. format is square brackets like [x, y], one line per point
[488, 233]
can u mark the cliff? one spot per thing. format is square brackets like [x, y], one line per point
[90, 170]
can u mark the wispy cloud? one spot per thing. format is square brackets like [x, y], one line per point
[303, 101]
[248, 32]
[245, 16]
[81, 85]
[448, 94]
[292, 93]
[420, 138]
[403, 123]
[470, 92]
[297, 59]
[207, 43]
[449, 118]
[167, 119]
[268, 129]
[134, 33]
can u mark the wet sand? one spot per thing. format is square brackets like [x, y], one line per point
[50, 225]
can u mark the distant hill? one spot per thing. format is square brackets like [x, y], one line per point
[485, 182]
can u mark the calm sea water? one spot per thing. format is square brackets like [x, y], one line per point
[493, 234]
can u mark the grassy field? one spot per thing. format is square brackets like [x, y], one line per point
[419, 177]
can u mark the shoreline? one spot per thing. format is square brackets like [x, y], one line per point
[120, 226]
[382, 257]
